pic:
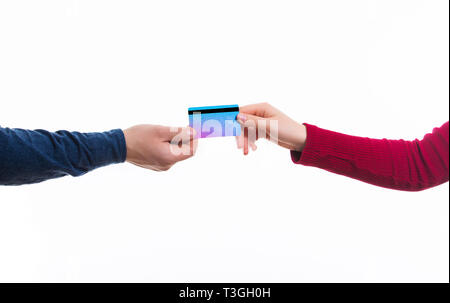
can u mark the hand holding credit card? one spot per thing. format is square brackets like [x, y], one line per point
[215, 121]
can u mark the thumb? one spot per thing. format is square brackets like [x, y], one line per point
[244, 118]
[257, 127]
[251, 121]
[183, 144]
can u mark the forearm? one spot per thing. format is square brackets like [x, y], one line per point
[397, 164]
[33, 156]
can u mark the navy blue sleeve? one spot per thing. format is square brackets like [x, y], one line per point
[28, 156]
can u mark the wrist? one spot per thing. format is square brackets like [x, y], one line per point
[300, 138]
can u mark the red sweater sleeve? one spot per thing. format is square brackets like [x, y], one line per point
[397, 164]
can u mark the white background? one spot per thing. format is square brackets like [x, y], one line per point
[370, 68]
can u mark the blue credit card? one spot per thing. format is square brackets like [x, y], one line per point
[215, 121]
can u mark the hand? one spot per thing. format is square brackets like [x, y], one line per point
[158, 147]
[257, 119]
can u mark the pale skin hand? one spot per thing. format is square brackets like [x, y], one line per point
[291, 135]
[152, 146]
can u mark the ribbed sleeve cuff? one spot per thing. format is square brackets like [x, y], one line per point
[310, 155]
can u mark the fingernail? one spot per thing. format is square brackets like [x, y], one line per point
[241, 117]
[191, 132]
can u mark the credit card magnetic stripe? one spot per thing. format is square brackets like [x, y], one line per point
[213, 109]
